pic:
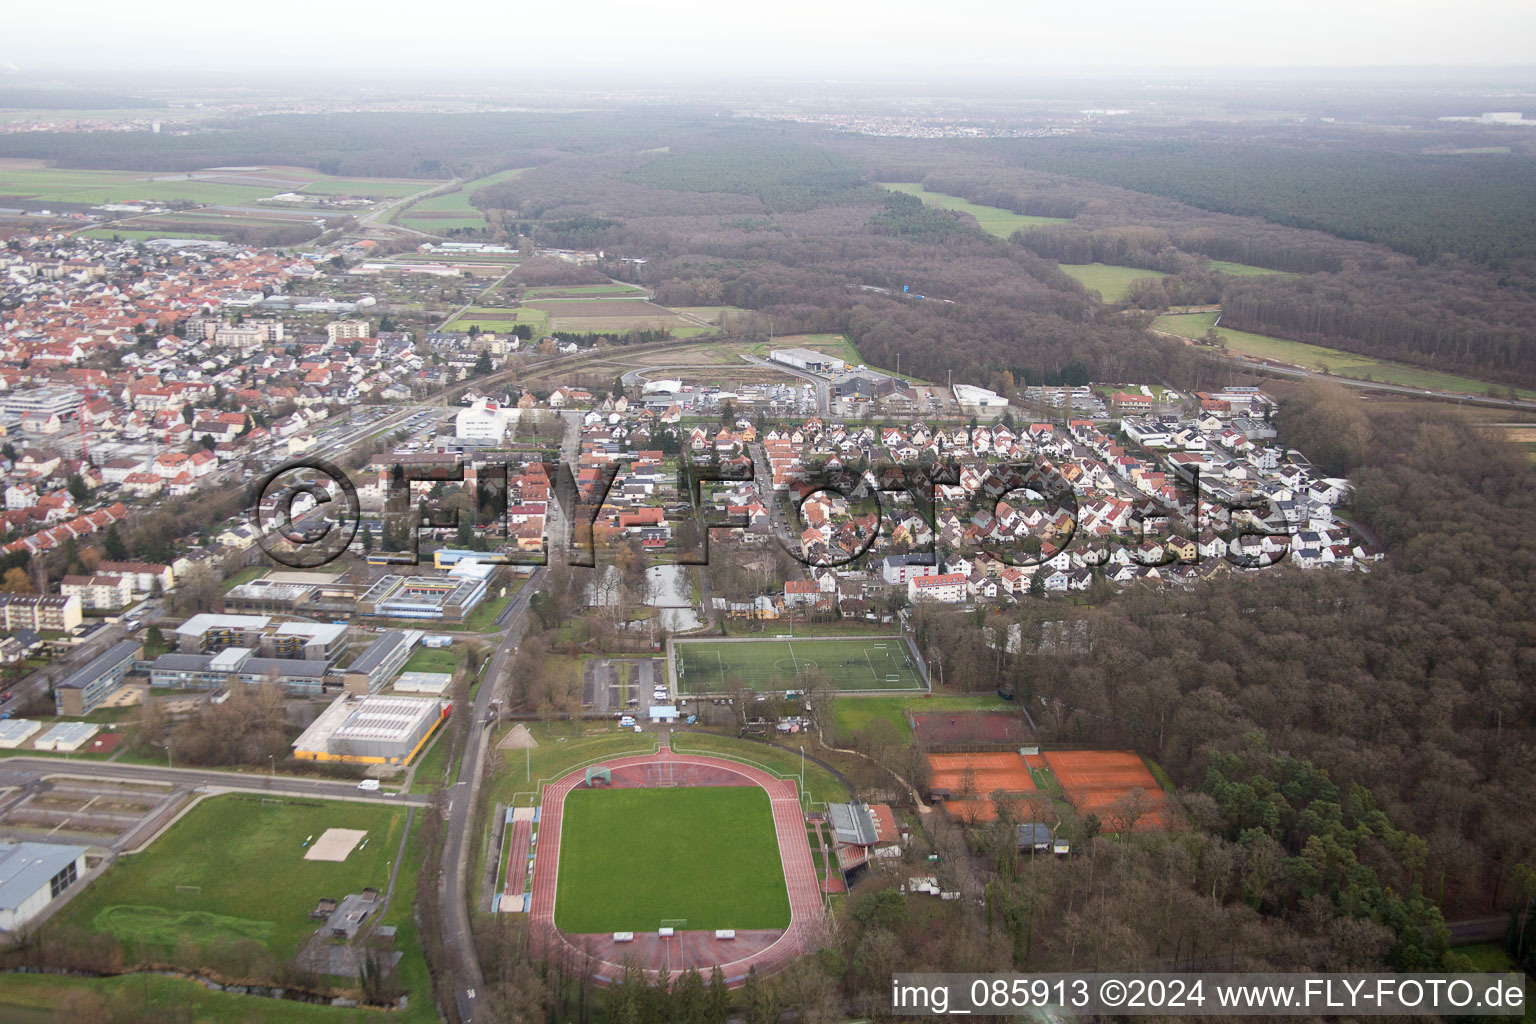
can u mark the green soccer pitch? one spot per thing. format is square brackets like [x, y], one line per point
[633, 858]
[851, 663]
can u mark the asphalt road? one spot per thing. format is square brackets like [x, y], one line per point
[458, 938]
[20, 771]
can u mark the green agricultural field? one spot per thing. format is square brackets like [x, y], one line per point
[581, 291]
[851, 663]
[991, 219]
[1312, 357]
[1111, 282]
[493, 326]
[172, 191]
[134, 235]
[245, 859]
[1241, 269]
[854, 714]
[632, 858]
[371, 188]
[451, 209]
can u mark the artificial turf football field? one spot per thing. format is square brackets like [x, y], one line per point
[851, 663]
[632, 858]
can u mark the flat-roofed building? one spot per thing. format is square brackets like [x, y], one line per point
[16, 731]
[67, 736]
[374, 729]
[265, 595]
[206, 633]
[433, 683]
[86, 687]
[422, 597]
[808, 360]
[299, 676]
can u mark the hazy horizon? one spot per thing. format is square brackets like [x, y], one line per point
[469, 40]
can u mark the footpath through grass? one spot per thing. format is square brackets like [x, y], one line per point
[632, 858]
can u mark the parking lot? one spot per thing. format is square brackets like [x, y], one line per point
[617, 686]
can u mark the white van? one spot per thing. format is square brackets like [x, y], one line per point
[626, 721]
[369, 785]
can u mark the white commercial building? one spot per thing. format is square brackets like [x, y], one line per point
[15, 732]
[484, 421]
[808, 360]
[67, 736]
[435, 683]
[979, 402]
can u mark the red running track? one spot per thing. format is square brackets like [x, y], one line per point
[670, 958]
[517, 857]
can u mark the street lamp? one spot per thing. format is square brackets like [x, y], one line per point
[802, 773]
[272, 764]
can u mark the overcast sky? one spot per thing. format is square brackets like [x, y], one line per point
[831, 38]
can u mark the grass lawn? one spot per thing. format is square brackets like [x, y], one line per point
[432, 771]
[1345, 364]
[854, 714]
[28, 998]
[991, 219]
[246, 575]
[484, 615]
[631, 858]
[865, 663]
[434, 659]
[247, 858]
[1241, 269]
[1112, 283]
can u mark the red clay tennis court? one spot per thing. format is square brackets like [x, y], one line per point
[979, 774]
[935, 727]
[1094, 780]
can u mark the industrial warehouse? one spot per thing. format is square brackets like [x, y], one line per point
[374, 729]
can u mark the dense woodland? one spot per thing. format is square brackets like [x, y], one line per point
[1479, 207]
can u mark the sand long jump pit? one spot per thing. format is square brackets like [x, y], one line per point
[335, 844]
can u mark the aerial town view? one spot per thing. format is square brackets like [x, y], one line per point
[619, 515]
